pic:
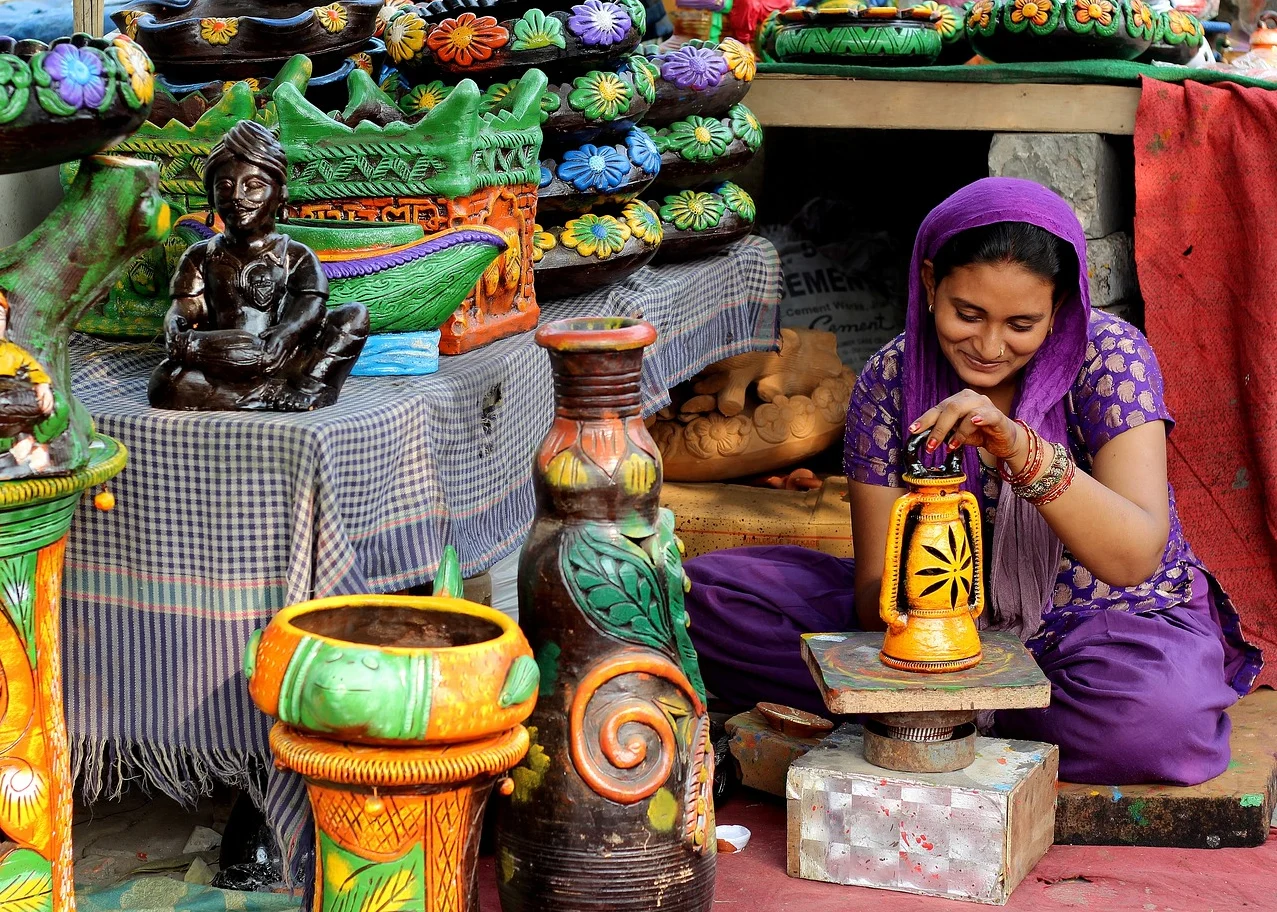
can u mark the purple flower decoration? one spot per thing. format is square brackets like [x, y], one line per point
[77, 75]
[599, 23]
[694, 68]
[594, 168]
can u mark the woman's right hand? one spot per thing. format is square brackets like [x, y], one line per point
[971, 419]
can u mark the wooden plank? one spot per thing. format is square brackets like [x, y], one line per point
[827, 101]
[89, 16]
[1231, 810]
[852, 679]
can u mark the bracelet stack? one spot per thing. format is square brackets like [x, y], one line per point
[1033, 484]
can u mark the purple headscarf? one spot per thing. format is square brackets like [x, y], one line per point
[1026, 553]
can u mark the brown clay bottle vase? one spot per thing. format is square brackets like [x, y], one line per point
[612, 807]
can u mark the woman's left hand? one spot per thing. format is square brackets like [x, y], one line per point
[968, 418]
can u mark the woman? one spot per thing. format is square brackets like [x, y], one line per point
[1003, 358]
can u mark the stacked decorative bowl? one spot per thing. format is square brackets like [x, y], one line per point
[703, 133]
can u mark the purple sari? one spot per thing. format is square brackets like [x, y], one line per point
[1140, 676]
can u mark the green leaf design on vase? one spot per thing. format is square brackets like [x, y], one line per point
[17, 591]
[745, 126]
[537, 30]
[737, 200]
[699, 139]
[614, 583]
[355, 884]
[521, 682]
[15, 85]
[600, 96]
[645, 73]
[692, 210]
[669, 557]
[637, 12]
[26, 882]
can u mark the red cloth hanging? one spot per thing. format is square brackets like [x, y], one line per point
[1206, 251]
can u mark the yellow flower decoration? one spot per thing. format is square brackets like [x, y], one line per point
[130, 22]
[138, 66]
[1100, 11]
[505, 268]
[331, 17]
[254, 85]
[740, 59]
[1035, 11]
[981, 13]
[215, 30]
[405, 35]
[542, 241]
[644, 223]
[1141, 15]
[593, 234]
[1180, 23]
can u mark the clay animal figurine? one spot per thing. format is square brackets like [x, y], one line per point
[248, 328]
[803, 360]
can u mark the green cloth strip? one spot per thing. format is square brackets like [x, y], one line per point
[1071, 72]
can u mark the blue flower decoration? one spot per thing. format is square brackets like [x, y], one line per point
[594, 168]
[546, 177]
[643, 151]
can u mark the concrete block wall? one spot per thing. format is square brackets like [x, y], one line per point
[1091, 173]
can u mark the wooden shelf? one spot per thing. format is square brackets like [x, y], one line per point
[780, 100]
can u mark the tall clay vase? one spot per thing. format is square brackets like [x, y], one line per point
[35, 766]
[612, 807]
[401, 713]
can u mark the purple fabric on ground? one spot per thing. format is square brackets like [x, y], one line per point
[1134, 697]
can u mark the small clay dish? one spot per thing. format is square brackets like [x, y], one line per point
[593, 250]
[794, 722]
[560, 43]
[1179, 38]
[1024, 31]
[850, 34]
[590, 175]
[699, 77]
[71, 99]
[201, 40]
[696, 223]
[697, 149]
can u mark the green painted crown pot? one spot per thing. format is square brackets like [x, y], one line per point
[612, 807]
[1019, 31]
[393, 670]
[847, 32]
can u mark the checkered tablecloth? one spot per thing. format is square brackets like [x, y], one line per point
[223, 518]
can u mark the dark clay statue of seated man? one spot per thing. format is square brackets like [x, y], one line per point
[248, 328]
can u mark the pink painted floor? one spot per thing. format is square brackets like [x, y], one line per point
[1103, 879]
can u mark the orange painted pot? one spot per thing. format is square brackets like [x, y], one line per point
[393, 670]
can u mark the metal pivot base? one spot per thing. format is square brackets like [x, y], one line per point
[921, 742]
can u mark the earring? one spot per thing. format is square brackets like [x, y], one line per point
[208, 219]
[281, 215]
[931, 308]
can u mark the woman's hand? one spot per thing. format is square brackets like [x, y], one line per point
[970, 419]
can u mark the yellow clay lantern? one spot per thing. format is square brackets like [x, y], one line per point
[934, 565]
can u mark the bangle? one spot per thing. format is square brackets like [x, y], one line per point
[1032, 464]
[1053, 483]
[1059, 488]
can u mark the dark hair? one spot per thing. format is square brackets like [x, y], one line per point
[1034, 248]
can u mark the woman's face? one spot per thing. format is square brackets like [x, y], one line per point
[990, 319]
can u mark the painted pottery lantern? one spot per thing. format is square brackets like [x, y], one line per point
[400, 712]
[612, 809]
[935, 567]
